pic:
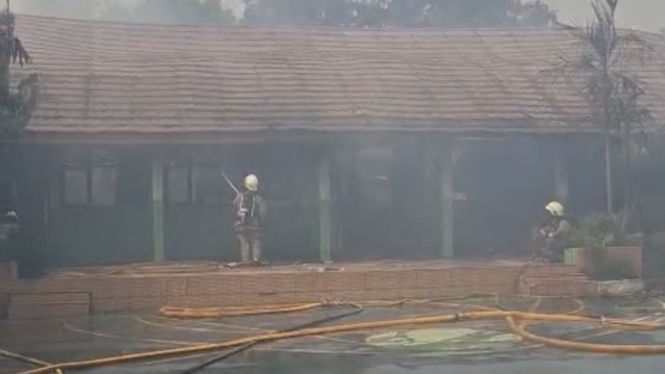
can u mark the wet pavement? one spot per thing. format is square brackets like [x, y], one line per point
[467, 347]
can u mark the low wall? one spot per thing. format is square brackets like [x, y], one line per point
[629, 257]
[55, 296]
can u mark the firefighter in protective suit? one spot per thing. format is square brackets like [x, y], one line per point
[249, 212]
[553, 233]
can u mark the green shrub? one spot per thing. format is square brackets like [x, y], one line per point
[595, 233]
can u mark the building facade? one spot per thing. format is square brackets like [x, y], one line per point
[368, 144]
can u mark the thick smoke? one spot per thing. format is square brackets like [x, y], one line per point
[160, 11]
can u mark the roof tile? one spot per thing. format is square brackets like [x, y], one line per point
[107, 77]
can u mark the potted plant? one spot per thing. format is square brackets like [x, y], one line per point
[600, 248]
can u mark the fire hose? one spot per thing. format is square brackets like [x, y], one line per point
[357, 309]
[516, 322]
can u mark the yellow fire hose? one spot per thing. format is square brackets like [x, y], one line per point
[509, 316]
[194, 313]
[216, 312]
[519, 329]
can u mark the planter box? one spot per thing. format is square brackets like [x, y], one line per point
[630, 256]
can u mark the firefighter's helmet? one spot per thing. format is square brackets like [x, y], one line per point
[252, 182]
[555, 208]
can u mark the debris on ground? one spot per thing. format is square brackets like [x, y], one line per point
[321, 268]
[625, 287]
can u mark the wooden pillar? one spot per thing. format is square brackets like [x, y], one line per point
[158, 210]
[609, 188]
[560, 174]
[325, 216]
[446, 199]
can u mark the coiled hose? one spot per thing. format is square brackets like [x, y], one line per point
[516, 322]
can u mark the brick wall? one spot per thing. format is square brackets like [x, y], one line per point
[7, 271]
[7, 277]
[556, 280]
[114, 294]
[120, 294]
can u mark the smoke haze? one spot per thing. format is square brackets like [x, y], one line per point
[638, 14]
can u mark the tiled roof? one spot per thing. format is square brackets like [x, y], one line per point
[111, 77]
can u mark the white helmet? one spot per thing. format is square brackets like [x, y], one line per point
[555, 208]
[252, 182]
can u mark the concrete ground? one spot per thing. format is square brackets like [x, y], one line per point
[468, 347]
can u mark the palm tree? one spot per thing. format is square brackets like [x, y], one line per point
[15, 108]
[601, 64]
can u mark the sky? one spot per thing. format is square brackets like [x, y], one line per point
[638, 14]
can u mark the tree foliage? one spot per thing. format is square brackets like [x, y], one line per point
[189, 12]
[15, 105]
[603, 61]
[399, 13]
[58, 8]
[602, 64]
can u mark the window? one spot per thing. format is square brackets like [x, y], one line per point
[89, 179]
[373, 170]
[76, 185]
[177, 184]
[103, 186]
[198, 183]
[208, 185]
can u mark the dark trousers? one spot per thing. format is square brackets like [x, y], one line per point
[250, 245]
